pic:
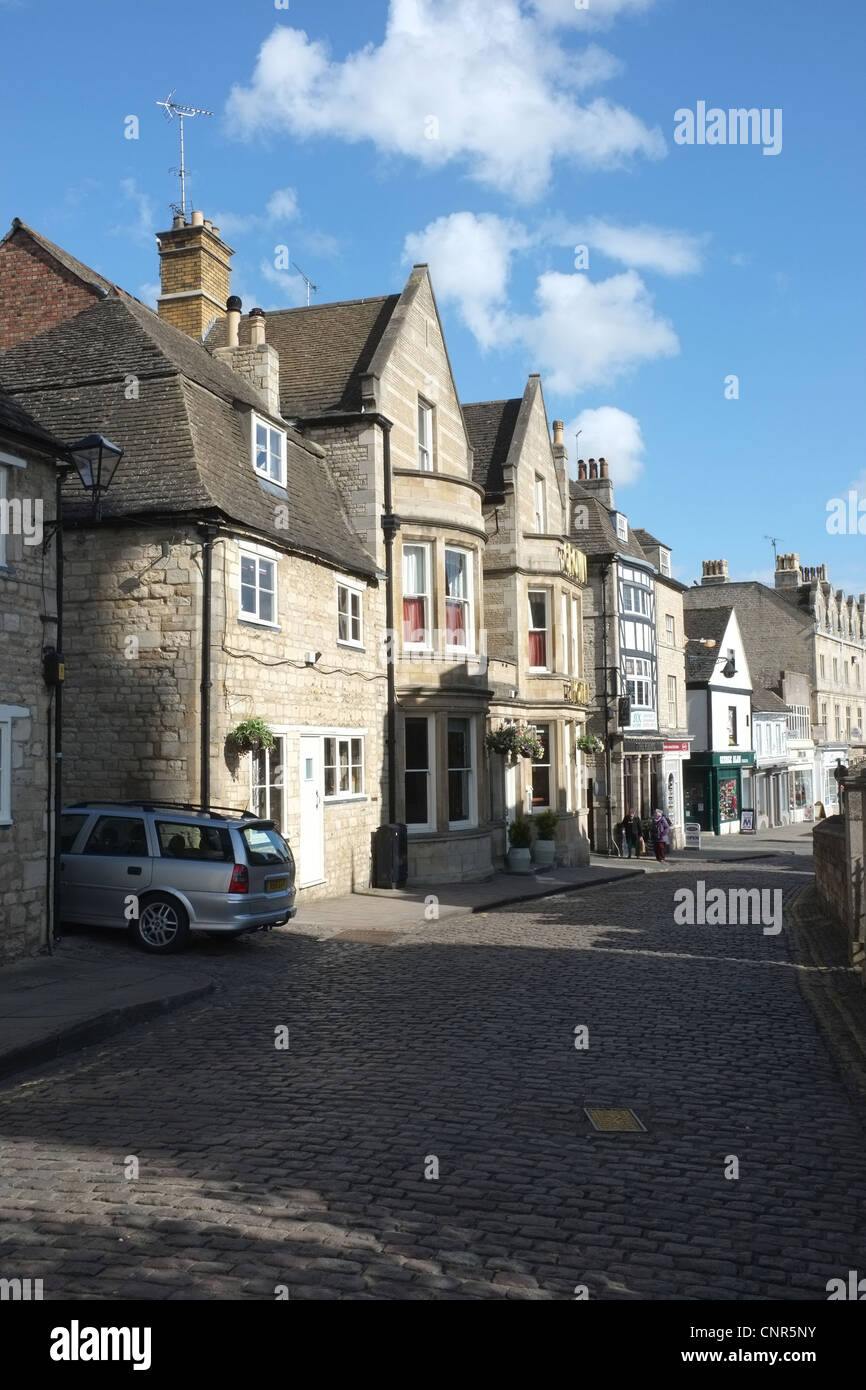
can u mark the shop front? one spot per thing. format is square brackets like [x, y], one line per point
[674, 755]
[713, 790]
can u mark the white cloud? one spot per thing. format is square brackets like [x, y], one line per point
[644, 247]
[481, 82]
[583, 333]
[470, 262]
[595, 14]
[282, 206]
[142, 227]
[293, 289]
[611, 434]
[149, 292]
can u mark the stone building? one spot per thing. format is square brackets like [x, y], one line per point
[633, 652]
[807, 644]
[224, 582]
[28, 470]
[534, 580]
[369, 383]
[719, 686]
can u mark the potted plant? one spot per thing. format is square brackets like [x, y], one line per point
[519, 841]
[514, 741]
[250, 736]
[545, 843]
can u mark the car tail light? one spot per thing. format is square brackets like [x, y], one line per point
[240, 879]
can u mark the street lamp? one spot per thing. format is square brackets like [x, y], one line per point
[95, 459]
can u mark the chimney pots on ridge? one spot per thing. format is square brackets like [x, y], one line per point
[581, 470]
[257, 327]
[558, 432]
[233, 320]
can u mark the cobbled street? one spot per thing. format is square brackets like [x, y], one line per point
[263, 1169]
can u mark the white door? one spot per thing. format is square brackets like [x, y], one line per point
[311, 845]
[513, 794]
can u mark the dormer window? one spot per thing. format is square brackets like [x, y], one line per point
[621, 528]
[665, 562]
[269, 451]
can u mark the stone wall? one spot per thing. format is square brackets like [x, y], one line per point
[24, 837]
[831, 874]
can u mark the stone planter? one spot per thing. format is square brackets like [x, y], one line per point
[519, 861]
[545, 852]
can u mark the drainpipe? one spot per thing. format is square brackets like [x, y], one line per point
[208, 534]
[390, 527]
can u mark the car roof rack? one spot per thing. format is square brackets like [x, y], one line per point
[215, 812]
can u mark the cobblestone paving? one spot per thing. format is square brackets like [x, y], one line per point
[304, 1168]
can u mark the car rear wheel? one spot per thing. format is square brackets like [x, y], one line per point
[162, 925]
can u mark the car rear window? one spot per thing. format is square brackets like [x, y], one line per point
[69, 828]
[201, 842]
[265, 845]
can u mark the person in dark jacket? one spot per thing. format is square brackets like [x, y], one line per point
[631, 832]
[660, 833]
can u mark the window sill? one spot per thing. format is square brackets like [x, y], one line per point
[259, 622]
[347, 796]
[351, 646]
[266, 478]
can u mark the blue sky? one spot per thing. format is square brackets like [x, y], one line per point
[490, 138]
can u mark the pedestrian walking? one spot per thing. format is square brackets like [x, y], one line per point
[660, 833]
[630, 827]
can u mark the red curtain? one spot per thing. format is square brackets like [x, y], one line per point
[414, 620]
[538, 648]
[456, 635]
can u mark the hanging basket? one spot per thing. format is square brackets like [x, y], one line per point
[514, 741]
[589, 743]
[251, 736]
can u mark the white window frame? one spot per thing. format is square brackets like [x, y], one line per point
[426, 644]
[337, 740]
[274, 432]
[549, 725]
[420, 827]
[563, 616]
[673, 704]
[671, 629]
[540, 505]
[575, 638]
[425, 436]
[642, 606]
[472, 769]
[354, 591]
[665, 562]
[7, 714]
[259, 554]
[270, 753]
[621, 527]
[639, 678]
[546, 629]
[468, 604]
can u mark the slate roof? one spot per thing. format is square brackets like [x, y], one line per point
[490, 426]
[768, 702]
[645, 538]
[711, 623]
[187, 451]
[69, 263]
[325, 349]
[599, 537]
[16, 421]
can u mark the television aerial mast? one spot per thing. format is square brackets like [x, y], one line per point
[774, 541]
[307, 281]
[172, 109]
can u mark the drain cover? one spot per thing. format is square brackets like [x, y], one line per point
[610, 1121]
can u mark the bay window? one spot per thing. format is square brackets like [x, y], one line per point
[458, 600]
[541, 771]
[461, 774]
[638, 680]
[416, 596]
[419, 779]
[539, 625]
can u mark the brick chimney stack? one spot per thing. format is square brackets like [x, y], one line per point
[715, 572]
[560, 456]
[598, 482]
[195, 273]
[788, 574]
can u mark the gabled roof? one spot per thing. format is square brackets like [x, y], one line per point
[14, 421]
[599, 536]
[325, 350]
[183, 429]
[646, 539]
[709, 623]
[91, 279]
[768, 702]
[490, 426]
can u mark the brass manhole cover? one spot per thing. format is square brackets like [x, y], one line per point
[609, 1121]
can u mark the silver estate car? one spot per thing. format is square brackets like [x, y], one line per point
[163, 871]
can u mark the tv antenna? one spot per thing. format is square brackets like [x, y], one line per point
[172, 109]
[307, 281]
[774, 541]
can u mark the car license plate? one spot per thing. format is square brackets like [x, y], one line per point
[276, 885]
